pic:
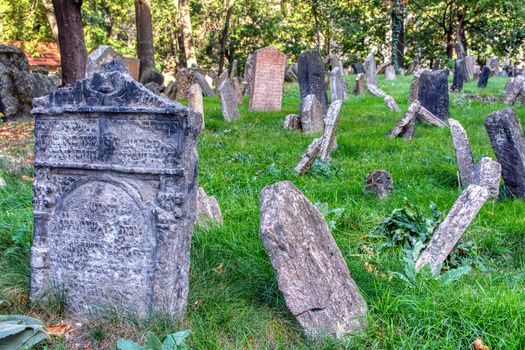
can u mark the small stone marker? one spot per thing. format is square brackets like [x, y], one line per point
[311, 77]
[229, 108]
[311, 272]
[514, 88]
[95, 60]
[292, 122]
[506, 136]
[459, 74]
[406, 126]
[390, 73]
[337, 85]
[452, 228]
[268, 80]
[371, 69]
[466, 167]
[330, 129]
[489, 174]
[208, 210]
[391, 104]
[312, 116]
[115, 195]
[308, 158]
[484, 77]
[359, 88]
[433, 93]
[379, 183]
[195, 101]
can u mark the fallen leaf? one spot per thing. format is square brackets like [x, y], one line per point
[26, 178]
[59, 329]
[219, 269]
[369, 267]
[478, 345]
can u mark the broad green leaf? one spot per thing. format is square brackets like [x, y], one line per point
[124, 344]
[152, 342]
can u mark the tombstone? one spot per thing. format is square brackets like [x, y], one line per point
[182, 83]
[358, 68]
[228, 98]
[115, 195]
[470, 63]
[433, 92]
[452, 228]
[133, 66]
[465, 161]
[371, 69]
[391, 104]
[494, 65]
[308, 158]
[248, 73]
[330, 129]
[484, 77]
[311, 272]
[513, 89]
[477, 72]
[414, 66]
[414, 88]
[233, 70]
[311, 77]
[506, 136]
[381, 69]
[238, 88]
[390, 73]
[203, 83]
[153, 87]
[292, 122]
[195, 101]
[268, 80]
[103, 54]
[337, 85]
[359, 87]
[291, 73]
[379, 183]
[312, 116]
[489, 175]
[437, 64]
[208, 210]
[461, 54]
[457, 82]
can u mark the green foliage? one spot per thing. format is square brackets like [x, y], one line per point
[21, 332]
[174, 341]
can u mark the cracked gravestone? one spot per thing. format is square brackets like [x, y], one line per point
[311, 77]
[311, 272]
[266, 92]
[229, 108]
[312, 116]
[433, 93]
[114, 195]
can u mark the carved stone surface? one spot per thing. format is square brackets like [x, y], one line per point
[371, 69]
[489, 175]
[95, 60]
[208, 210]
[337, 85]
[115, 195]
[359, 87]
[311, 272]
[312, 116]
[466, 167]
[506, 136]
[390, 73]
[308, 158]
[311, 77]
[268, 79]
[452, 228]
[433, 92]
[229, 108]
[195, 101]
[459, 76]
[514, 88]
[330, 129]
[391, 104]
[379, 183]
[292, 122]
[406, 126]
[484, 77]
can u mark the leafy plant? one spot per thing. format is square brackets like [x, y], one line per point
[174, 341]
[326, 169]
[21, 332]
[331, 215]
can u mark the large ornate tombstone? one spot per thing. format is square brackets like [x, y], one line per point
[266, 93]
[433, 92]
[115, 195]
[311, 77]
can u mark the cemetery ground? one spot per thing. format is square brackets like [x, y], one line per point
[234, 301]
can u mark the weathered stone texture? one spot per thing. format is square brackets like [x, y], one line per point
[371, 69]
[311, 77]
[208, 210]
[359, 87]
[115, 195]
[308, 158]
[311, 272]
[95, 60]
[466, 167]
[433, 93]
[390, 73]
[337, 85]
[312, 116]
[391, 104]
[268, 78]
[379, 183]
[229, 108]
[484, 77]
[292, 122]
[330, 129]
[195, 101]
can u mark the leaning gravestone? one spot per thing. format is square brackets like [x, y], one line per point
[205, 86]
[457, 82]
[266, 92]
[371, 69]
[484, 77]
[195, 101]
[312, 116]
[337, 85]
[433, 92]
[506, 137]
[115, 195]
[103, 54]
[311, 77]
[229, 108]
[311, 272]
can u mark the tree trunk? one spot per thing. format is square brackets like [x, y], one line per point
[398, 35]
[317, 30]
[145, 51]
[71, 40]
[461, 30]
[187, 51]
[225, 36]
[50, 13]
[450, 31]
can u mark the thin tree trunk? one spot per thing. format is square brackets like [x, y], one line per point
[145, 51]
[51, 19]
[317, 30]
[185, 37]
[461, 29]
[225, 35]
[71, 40]
[450, 31]
[397, 35]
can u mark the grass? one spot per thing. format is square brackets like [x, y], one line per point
[234, 301]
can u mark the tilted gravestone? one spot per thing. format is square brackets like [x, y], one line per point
[433, 92]
[311, 272]
[371, 69]
[229, 108]
[359, 87]
[266, 92]
[195, 101]
[337, 85]
[115, 195]
[312, 116]
[459, 73]
[484, 77]
[506, 136]
[311, 77]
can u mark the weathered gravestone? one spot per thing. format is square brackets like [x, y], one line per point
[484, 77]
[457, 82]
[248, 73]
[205, 86]
[359, 87]
[182, 83]
[433, 92]
[308, 158]
[312, 116]
[311, 272]
[331, 122]
[390, 73]
[337, 85]
[311, 77]
[195, 101]
[229, 108]
[379, 183]
[371, 69]
[470, 62]
[103, 54]
[208, 210]
[266, 93]
[506, 136]
[514, 89]
[292, 122]
[358, 68]
[115, 195]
